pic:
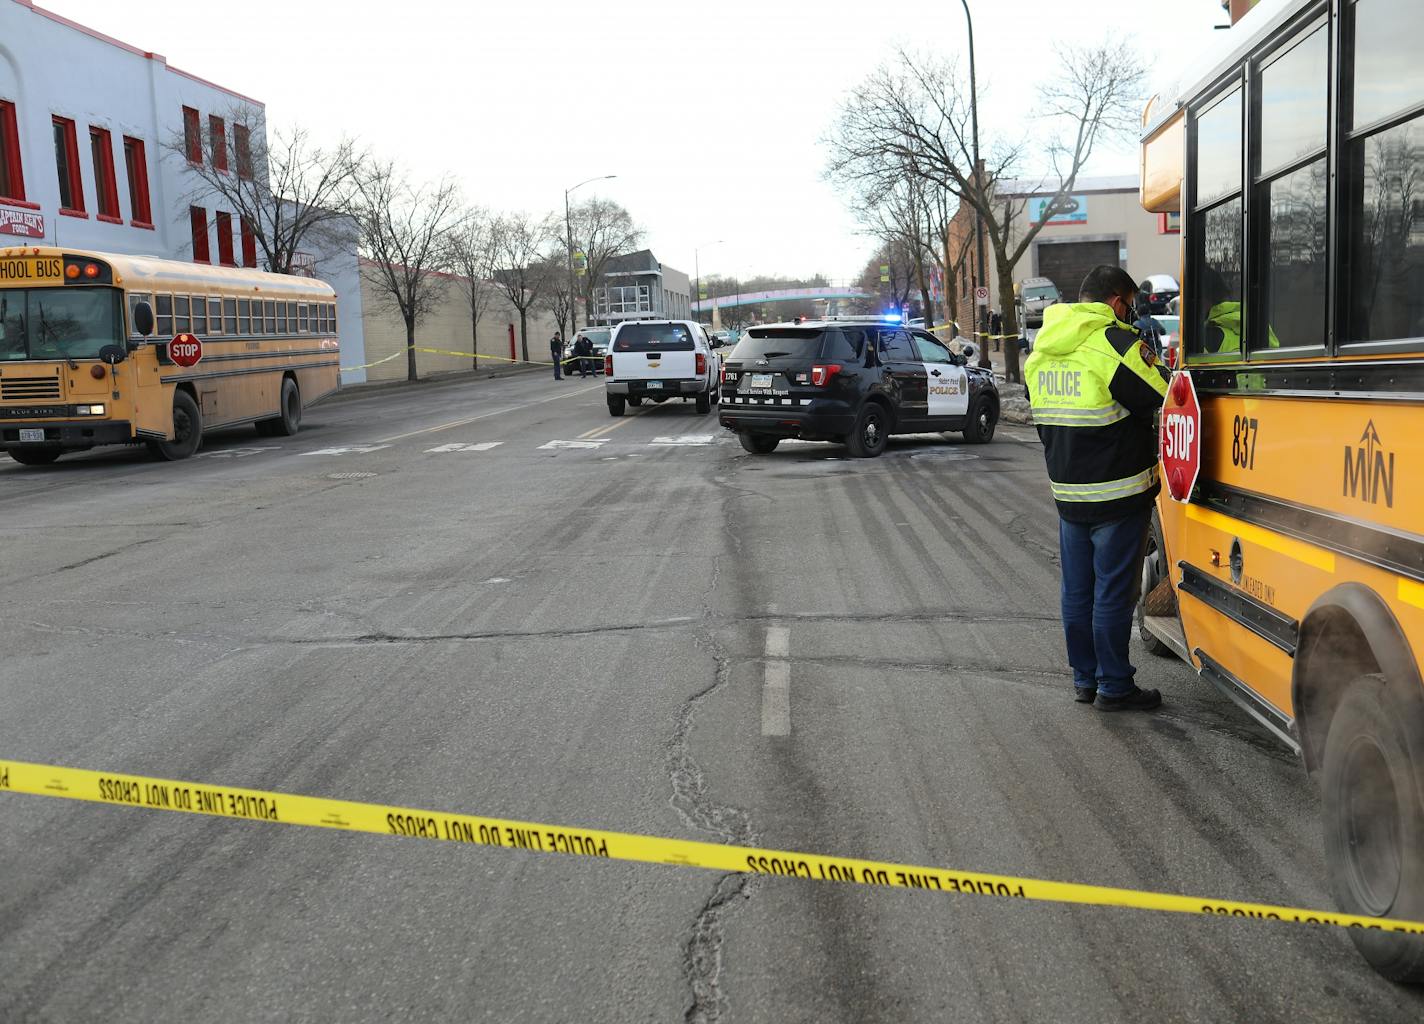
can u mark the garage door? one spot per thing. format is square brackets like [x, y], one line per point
[1067, 263]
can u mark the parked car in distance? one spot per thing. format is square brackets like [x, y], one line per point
[598, 337]
[1171, 338]
[1159, 291]
[1034, 295]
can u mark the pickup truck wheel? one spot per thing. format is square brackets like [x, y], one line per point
[704, 403]
[871, 432]
[1374, 823]
[615, 405]
[758, 444]
[635, 400]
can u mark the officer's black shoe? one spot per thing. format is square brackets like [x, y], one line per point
[1136, 700]
[1084, 694]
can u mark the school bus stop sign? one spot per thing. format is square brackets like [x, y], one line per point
[185, 350]
[1180, 437]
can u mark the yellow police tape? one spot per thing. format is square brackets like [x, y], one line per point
[447, 352]
[286, 808]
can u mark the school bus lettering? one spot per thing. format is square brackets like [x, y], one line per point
[1368, 475]
[1243, 442]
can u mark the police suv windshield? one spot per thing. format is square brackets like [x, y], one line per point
[58, 323]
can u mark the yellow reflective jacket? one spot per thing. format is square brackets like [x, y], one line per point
[1095, 385]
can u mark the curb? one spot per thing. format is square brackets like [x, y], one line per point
[351, 391]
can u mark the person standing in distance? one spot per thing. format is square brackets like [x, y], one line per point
[556, 350]
[1095, 387]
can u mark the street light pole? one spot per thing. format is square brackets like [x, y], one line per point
[697, 266]
[978, 186]
[569, 239]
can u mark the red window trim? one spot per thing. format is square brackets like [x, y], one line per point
[249, 245]
[109, 184]
[223, 221]
[11, 156]
[193, 135]
[217, 141]
[242, 150]
[198, 221]
[141, 211]
[76, 179]
[142, 224]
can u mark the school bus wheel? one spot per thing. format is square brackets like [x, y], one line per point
[34, 456]
[289, 419]
[1374, 823]
[187, 430]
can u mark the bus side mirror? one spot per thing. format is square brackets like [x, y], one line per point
[113, 354]
[143, 318]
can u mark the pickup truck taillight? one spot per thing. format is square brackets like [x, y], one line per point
[608, 365]
[821, 375]
[701, 364]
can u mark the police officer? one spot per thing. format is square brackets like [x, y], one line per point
[556, 350]
[1095, 385]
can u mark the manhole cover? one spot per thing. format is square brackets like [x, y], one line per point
[348, 476]
[945, 454]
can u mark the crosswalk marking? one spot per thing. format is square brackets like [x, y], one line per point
[237, 453]
[349, 449]
[574, 444]
[482, 446]
[691, 440]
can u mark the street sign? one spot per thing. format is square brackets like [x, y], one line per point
[185, 350]
[884, 273]
[1180, 437]
[981, 296]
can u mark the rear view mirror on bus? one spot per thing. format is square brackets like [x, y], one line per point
[113, 354]
[143, 318]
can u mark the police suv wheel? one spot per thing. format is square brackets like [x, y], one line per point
[871, 433]
[758, 444]
[704, 403]
[983, 418]
[1374, 823]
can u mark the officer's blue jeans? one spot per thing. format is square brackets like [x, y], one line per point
[1102, 577]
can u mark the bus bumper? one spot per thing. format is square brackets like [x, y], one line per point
[71, 435]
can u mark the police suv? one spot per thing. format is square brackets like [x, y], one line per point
[853, 380]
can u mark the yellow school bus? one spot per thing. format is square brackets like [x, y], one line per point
[1292, 575]
[85, 360]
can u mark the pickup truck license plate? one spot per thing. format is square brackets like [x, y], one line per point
[761, 380]
[35, 434]
[654, 385]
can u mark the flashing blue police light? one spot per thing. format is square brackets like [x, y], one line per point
[893, 318]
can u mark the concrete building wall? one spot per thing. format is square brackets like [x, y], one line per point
[448, 328]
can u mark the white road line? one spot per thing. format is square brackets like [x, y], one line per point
[691, 440]
[573, 444]
[776, 699]
[347, 449]
[776, 688]
[481, 446]
[494, 412]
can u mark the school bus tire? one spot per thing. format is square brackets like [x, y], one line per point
[187, 429]
[35, 456]
[1373, 807]
[1154, 570]
[290, 421]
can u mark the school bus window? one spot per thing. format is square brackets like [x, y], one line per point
[215, 317]
[182, 314]
[1217, 234]
[134, 299]
[1293, 196]
[244, 316]
[269, 314]
[302, 319]
[200, 314]
[1384, 275]
[163, 316]
[281, 318]
[229, 315]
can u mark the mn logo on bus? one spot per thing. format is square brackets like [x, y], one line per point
[1369, 469]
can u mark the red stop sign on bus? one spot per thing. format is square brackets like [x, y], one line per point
[185, 350]
[1180, 437]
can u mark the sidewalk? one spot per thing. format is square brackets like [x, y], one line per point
[349, 391]
[1013, 398]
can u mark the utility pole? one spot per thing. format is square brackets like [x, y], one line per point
[978, 193]
[569, 238]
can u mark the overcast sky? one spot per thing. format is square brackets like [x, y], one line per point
[709, 114]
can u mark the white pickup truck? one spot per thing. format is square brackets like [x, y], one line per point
[661, 359]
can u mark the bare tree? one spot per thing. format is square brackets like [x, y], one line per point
[913, 115]
[472, 257]
[405, 239]
[602, 229]
[520, 269]
[290, 194]
[556, 297]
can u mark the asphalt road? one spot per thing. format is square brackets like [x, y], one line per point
[423, 600]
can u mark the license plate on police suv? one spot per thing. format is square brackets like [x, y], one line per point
[654, 385]
[35, 434]
[761, 381]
